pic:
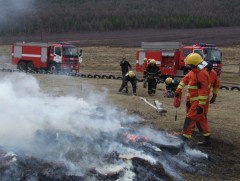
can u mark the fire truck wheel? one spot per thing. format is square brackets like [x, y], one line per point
[53, 68]
[30, 66]
[22, 66]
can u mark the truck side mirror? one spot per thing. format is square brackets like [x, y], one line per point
[80, 52]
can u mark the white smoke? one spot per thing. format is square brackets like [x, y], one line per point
[80, 131]
[13, 8]
[4, 59]
[24, 109]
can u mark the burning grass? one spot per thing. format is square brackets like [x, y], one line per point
[80, 136]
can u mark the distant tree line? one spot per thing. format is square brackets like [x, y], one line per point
[52, 16]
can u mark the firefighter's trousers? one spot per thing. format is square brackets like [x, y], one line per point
[193, 118]
[152, 85]
[124, 85]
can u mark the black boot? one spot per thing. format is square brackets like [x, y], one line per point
[206, 141]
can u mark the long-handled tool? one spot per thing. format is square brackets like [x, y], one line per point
[158, 106]
[176, 115]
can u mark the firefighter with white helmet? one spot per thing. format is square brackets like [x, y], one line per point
[198, 93]
[152, 72]
[129, 77]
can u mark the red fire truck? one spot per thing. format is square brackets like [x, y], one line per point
[170, 56]
[49, 56]
[210, 53]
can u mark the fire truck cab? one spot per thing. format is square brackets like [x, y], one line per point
[50, 56]
[211, 53]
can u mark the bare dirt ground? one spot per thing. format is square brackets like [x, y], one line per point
[102, 53]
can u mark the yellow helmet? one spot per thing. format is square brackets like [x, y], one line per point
[152, 61]
[193, 59]
[168, 80]
[131, 74]
[145, 59]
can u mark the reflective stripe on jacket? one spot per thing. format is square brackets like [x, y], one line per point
[195, 93]
[214, 81]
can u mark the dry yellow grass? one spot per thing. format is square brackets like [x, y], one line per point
[223, 116]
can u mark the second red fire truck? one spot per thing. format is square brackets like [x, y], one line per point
[49, 56]
[170, 56]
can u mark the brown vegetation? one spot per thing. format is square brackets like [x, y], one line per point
[54, 16]
[223, 115]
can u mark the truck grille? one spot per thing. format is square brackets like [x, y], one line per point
[71, 61]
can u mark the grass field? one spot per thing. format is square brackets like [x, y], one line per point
[223, 115]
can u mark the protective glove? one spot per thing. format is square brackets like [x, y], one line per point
[199, 110]
[176, 94]
[213, 99]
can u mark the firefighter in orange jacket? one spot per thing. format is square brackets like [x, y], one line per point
[214, 81]
[198, 82]
[145, 64]
[214, 85]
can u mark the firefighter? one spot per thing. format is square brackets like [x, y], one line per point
[198, 92]
[144, 66]
[214, 81]
[171, 86]
[152, 72]
[125, 66]
[129, 77]
[214, 85]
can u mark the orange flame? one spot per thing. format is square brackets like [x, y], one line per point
[132, 137]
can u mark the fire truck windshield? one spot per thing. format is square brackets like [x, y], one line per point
[70, 52]
[212, 55]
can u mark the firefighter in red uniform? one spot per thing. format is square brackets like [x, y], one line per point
[214, 81]
[214, 85]
[152, 72]
[145, 64]
[198, 82]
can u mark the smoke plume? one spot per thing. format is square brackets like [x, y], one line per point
[83, 132]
